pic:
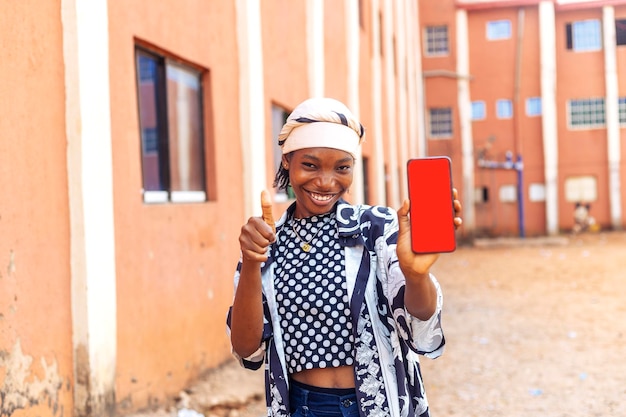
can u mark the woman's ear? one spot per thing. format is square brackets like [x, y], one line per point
[285, 162]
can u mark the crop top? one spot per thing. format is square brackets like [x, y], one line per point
[311, 295]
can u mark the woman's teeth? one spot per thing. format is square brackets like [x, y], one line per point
[320, 197]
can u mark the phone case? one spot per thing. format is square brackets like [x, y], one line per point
[432, 205]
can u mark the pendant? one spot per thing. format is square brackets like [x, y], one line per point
[306, 247]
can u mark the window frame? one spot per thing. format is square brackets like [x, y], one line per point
[494, 29]
[591, 103]
[578, 29]
[533, 107]
[432, 37]
[499, 107]
[475, 104]
[167, 192]
[621, 110]
[620, 32]
[432, 123]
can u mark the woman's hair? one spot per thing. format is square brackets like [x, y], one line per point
[281, 180]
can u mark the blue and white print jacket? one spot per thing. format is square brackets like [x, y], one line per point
[388, 340]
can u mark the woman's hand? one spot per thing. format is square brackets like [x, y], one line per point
[420, 296]
[411, 263]
[258, 233]
[458, 220]
[255, 237]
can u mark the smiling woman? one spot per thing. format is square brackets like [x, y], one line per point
[334, 301]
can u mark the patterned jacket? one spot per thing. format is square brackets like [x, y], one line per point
[387, 338]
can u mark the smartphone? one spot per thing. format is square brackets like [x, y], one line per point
[432, 205]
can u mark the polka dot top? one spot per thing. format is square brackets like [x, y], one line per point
[312, 296]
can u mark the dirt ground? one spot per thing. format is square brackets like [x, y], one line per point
[533, 327]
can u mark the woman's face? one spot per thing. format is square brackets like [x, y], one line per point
[319, 177]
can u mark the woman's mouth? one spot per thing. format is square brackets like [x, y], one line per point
[322, 198]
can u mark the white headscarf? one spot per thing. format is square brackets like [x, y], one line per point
[321, 123]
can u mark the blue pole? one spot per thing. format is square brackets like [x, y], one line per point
[520, 195]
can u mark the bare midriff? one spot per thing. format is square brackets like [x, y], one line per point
[340, 377]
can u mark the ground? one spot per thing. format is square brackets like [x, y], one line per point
[533, 327]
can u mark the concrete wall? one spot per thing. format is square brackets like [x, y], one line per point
[174, 261]
[35, 311]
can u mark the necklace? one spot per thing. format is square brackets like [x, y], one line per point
[307, 246]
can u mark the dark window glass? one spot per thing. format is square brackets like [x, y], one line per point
[620, 32]
[171, 122]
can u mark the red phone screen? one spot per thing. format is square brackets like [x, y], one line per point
[432, 205]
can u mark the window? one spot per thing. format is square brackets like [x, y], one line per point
[504, 109]
[581, 189]
[584, 35]
[436, 40]
[440, 122]
[537, 192]
[620, 32]
[622, 110]
[586, 112]
[481, 194]
[533, 106]
[508, 193]
[478, 110]
[279, 117]
[498, 30]
[172, 130]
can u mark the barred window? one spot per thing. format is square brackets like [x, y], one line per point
[586, 112]
[436, 40]
[622, 110]
[440, 122]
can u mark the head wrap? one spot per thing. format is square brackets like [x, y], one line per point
[321, 123]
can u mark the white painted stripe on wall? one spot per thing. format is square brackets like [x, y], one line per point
[90, 184]
[415, 105]
[390, 104]
[465, 114]
[379, 150]
[315, 46]
[612, 115]
[353, 60]
[401, 60]
[547, 53]
[251, 104]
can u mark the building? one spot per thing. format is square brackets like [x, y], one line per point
[529, 98]
[137, 137]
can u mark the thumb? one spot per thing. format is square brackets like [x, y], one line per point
[266, 206]
[404, 222]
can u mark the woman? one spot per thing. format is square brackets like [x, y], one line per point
[334, 302]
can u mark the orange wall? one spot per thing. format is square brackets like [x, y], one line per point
[35, 304]
[175, 262]
[441, 91]
[581, 151]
